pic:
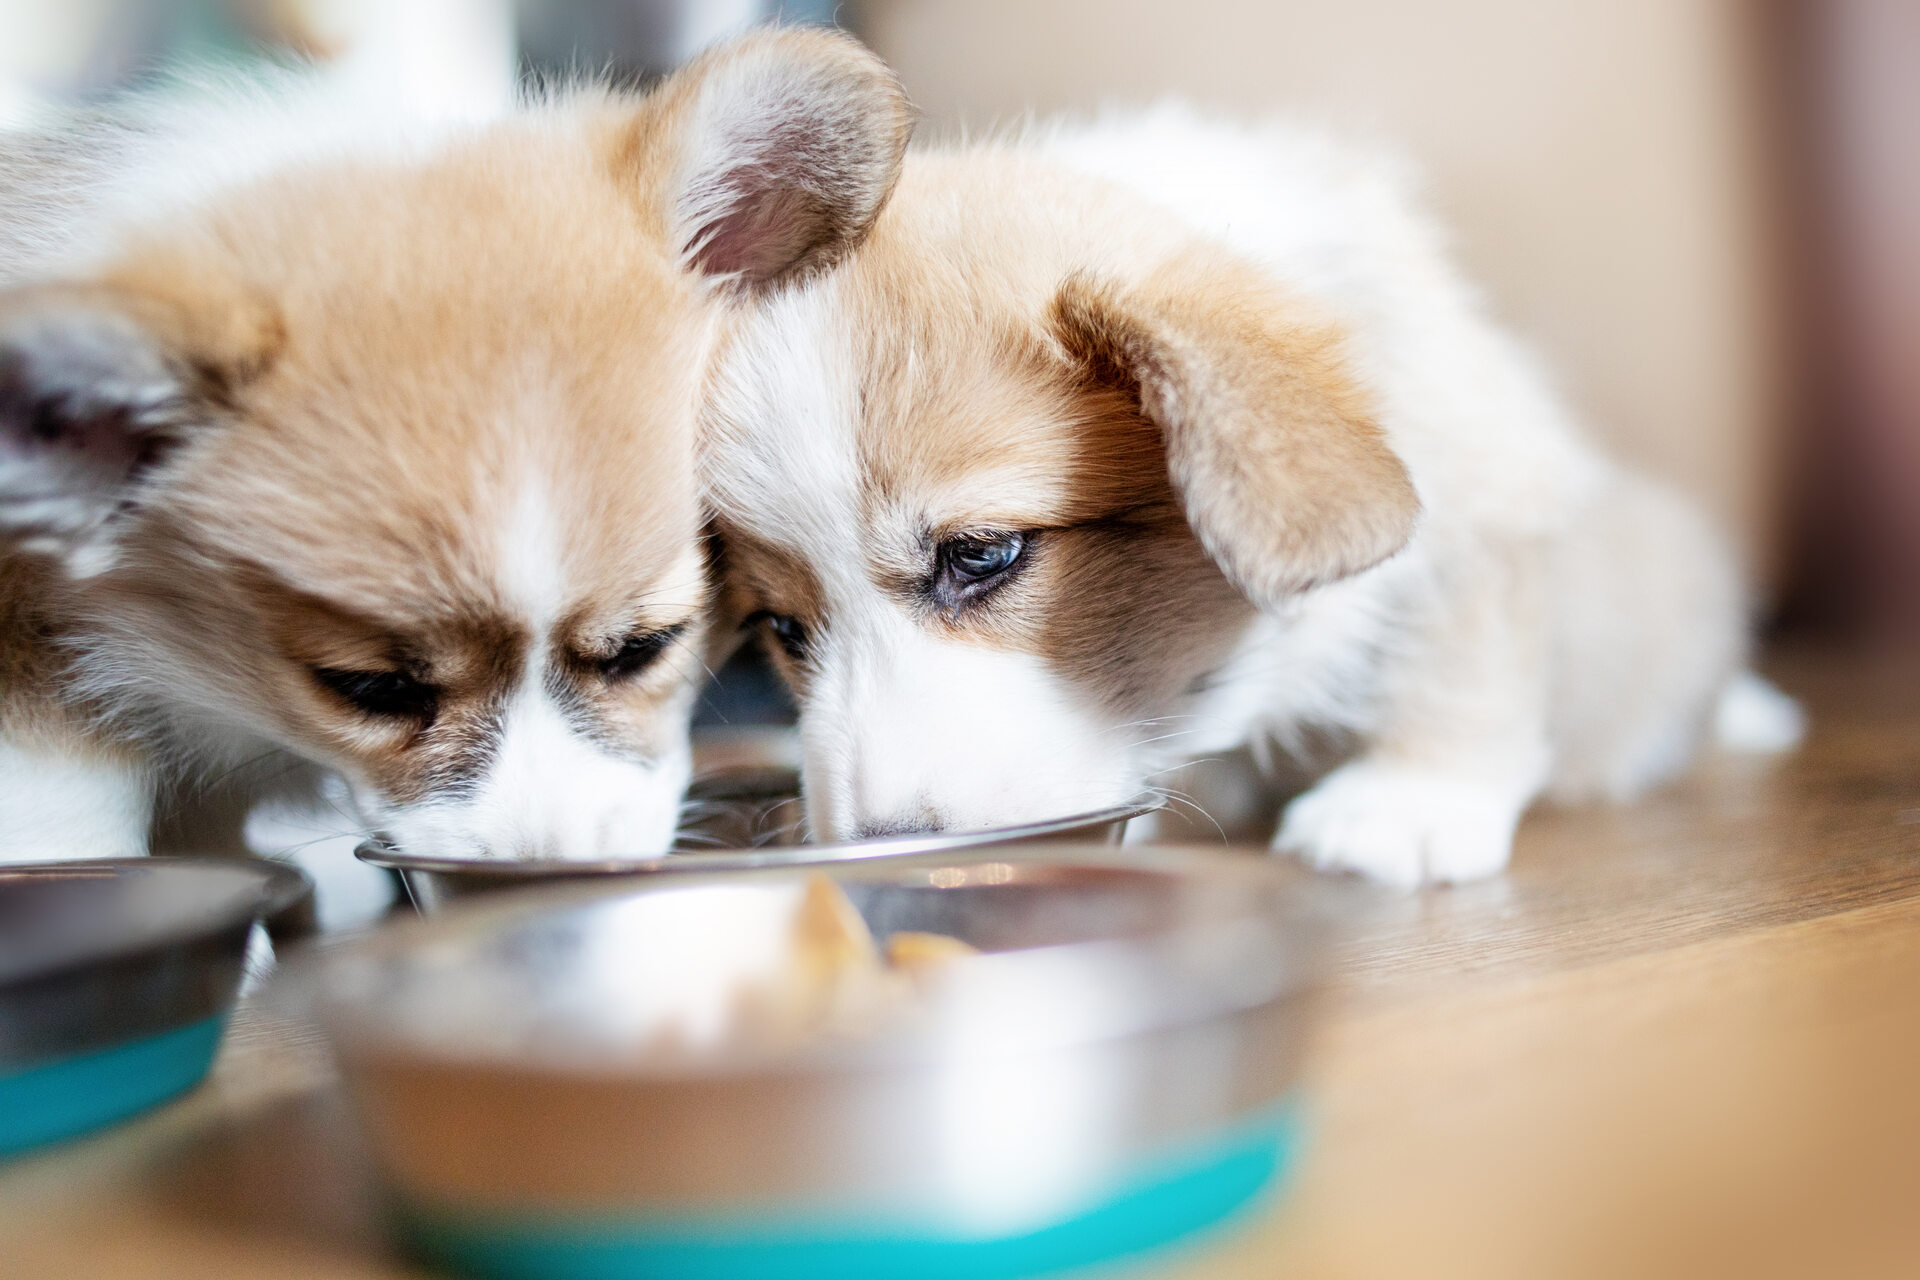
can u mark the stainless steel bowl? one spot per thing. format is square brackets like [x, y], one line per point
[1115, 1070]
[745, 820]
[116, 977]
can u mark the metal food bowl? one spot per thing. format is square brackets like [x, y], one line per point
[1114, 1071]
[116, 978]
[745, 816]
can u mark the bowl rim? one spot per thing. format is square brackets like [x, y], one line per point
[278, 886]
[381, 853]
[1304, 924]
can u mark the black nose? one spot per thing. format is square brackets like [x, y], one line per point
[906, 824]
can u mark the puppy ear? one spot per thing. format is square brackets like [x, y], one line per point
[778, 150]
[1274, 454]
[97, 387]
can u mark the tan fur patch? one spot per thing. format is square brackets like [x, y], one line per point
[1285, 477]
[32, 668]
[762, 577]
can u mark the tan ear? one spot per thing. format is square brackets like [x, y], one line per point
[99, 383]
[772, 154]
[1284, 474]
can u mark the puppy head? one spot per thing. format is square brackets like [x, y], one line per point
[391, 464]
[1009, 517]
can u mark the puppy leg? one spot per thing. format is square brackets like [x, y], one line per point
[1462, 747]
[1650, 618]
[71, 800]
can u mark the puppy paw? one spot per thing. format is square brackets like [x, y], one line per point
[1402, 827]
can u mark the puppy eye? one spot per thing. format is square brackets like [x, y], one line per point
[392, 694]
[788, 633]
[639, 652]
[978, 557]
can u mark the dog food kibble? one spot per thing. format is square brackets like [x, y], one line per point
[915, 953]
[837, 980]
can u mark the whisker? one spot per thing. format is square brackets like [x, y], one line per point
[1167, 737]
[1173, 797]
[1183, 764]
[205, 784]
[283, 851]
[1151, 722]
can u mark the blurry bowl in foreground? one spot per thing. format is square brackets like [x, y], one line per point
[550, 1090]
[116, 978]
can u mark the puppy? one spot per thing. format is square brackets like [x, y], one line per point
[325, 439]
[1119, 445]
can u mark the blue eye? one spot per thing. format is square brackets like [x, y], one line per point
[977, 557]
[789, 633]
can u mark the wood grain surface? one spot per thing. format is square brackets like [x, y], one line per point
[1678, 1039]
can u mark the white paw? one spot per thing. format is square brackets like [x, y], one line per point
[1755, 718]
[1403, 827]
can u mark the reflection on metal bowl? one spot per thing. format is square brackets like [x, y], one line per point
[1113, 1071]
[743, 815]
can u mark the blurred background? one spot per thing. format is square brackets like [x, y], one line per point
[1705, 214]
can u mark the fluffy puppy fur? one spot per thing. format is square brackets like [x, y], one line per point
[1123, 444]
[372, 445]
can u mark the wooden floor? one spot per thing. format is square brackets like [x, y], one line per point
[1681, 1039]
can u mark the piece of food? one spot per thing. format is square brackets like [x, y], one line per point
[829, 935]
[922, 953]
[837, 980]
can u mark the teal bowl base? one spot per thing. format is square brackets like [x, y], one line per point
[1176, 1200]
[89, 1091]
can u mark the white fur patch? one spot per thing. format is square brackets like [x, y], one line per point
[907, 730]
[59, 806]
[786, 464]
[1314, 669]
[549, 793]
[531, 567]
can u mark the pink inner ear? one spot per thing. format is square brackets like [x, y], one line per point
[790, 140]
[86, 406]
[801, 178]
[79, 458]
[765, 232]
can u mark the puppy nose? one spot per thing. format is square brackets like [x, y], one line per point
[918, 822]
